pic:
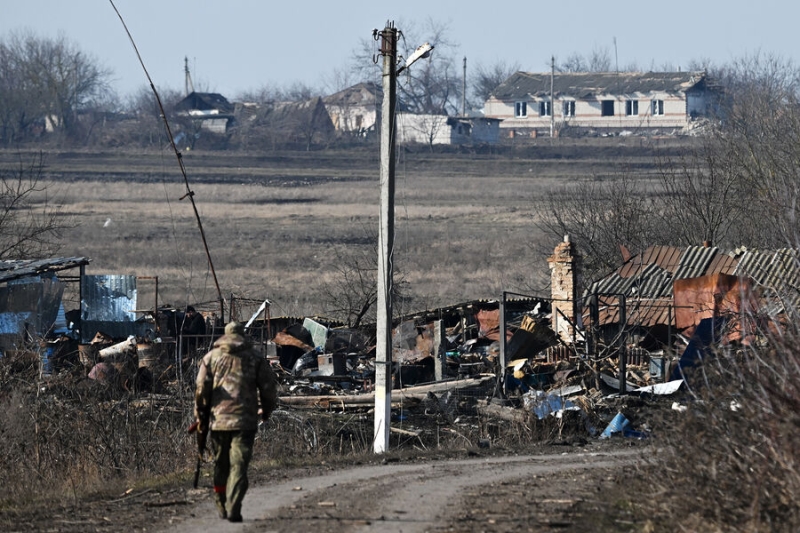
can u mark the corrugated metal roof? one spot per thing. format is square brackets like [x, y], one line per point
[643, 312]
[585, 84]
[650, 275]
[23, 268]
[777, 273]
[694, 262]
[722, 263]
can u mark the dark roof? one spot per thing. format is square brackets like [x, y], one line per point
[587, 84]
[205, 102]
[25, 268]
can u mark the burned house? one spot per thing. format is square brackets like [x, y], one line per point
[658, 299]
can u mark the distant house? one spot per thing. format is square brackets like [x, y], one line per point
[442, 129]
[600, 101]
[211, 111]
[355, 109]
[304, 122]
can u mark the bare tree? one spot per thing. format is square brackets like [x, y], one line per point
[432, 85]
[30, 223]
[598, 60]
[601, 215]
[487, 77]
[701, 196]
[352, 292]
[47, 79]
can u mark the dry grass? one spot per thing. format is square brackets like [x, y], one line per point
[465, 228]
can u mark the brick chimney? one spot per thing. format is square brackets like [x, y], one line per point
[565, 271]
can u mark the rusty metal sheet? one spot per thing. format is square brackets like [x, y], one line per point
[489, 324]
[285, 339]
[714, 296]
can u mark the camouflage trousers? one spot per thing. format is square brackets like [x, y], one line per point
[232, 453]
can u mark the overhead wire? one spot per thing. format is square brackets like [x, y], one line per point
[189, 193]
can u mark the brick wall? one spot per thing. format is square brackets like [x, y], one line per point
[565, 266]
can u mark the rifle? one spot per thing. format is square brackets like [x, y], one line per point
[201, 446]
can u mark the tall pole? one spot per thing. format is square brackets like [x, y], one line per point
[464, 91]
[383, 349]
[552, 100]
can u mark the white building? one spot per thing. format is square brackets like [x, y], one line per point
[600, 101]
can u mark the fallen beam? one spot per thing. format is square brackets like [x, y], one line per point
[399, 396]
[509, 414]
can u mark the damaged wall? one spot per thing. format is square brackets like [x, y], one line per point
[565, 265]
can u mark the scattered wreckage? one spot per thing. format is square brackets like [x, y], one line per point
[578, 359]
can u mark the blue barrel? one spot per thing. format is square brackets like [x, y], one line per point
[46, 359]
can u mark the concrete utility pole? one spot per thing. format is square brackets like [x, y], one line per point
[552, 100]
[383, 349]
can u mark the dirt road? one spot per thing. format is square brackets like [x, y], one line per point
[485, 494]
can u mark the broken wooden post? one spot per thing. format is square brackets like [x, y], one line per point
[439, 350]
[503, 361]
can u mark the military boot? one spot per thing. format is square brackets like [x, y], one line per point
[236, 513]
[220, 501]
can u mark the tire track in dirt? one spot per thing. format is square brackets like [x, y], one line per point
[388, 498]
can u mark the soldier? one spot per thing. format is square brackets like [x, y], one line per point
[193, 327]
[232, 379]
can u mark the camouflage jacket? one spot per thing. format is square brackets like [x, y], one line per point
[232, 379]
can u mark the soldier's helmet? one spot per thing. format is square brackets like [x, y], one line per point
[234, 328]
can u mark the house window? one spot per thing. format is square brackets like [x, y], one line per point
[658, 107]
[521, 109]
[607, 108]
[568, 109]
[545, 109]
[632, 107]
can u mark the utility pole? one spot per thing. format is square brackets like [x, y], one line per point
[464, 91]
[187, 77]
[552, 100]
[383, 348]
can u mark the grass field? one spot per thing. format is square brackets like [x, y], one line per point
[465, 222]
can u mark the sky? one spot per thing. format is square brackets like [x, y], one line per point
[242, 45]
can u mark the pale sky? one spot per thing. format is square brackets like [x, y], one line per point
[238, 45]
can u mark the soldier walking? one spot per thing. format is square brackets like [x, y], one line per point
[233, 378]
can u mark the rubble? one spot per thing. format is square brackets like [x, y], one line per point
[521, 359]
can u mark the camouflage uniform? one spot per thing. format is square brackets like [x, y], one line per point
[232, 379]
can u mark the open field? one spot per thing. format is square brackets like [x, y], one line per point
[275, 222]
